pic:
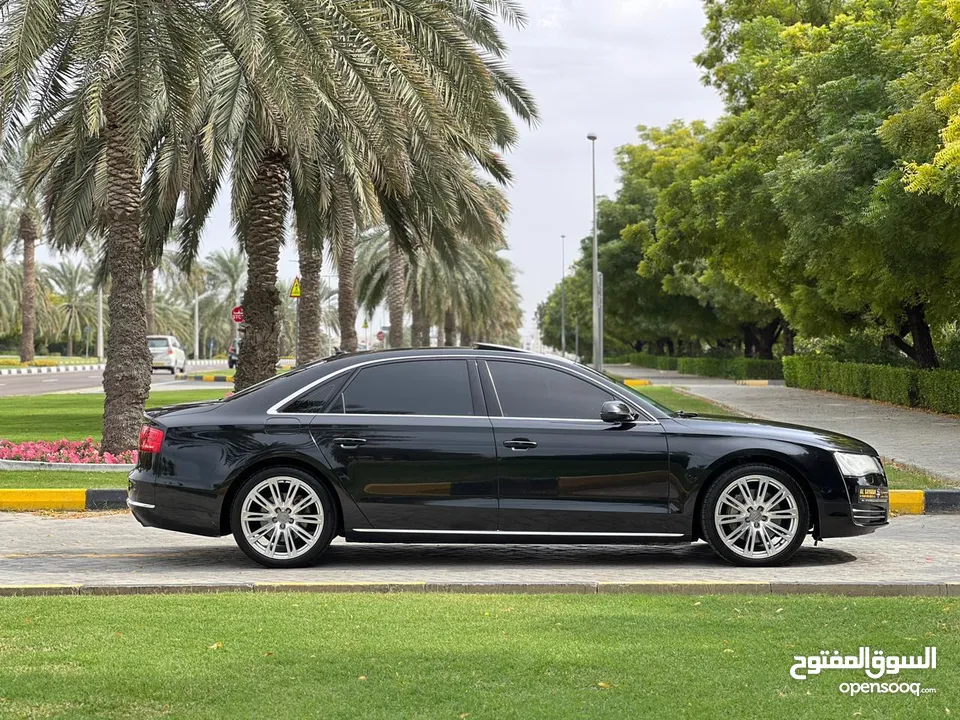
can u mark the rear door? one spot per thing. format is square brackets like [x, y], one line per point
[562, 470]
[411, 443]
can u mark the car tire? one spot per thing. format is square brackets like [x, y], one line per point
[290, 533]
[755, 515]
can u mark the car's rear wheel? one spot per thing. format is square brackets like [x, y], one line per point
[755, 515]
[283, 517]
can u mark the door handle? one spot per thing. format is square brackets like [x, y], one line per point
[519, 444]
[348, 443]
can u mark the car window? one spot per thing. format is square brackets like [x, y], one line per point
[316, 399]
[527, 390]
[157, 342]
[420, 387]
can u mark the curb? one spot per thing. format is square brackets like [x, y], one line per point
[68, 467]
[879, 589]
[753, 383]
[76, 499]
[204, 378]
[637, 382]
[53, 369]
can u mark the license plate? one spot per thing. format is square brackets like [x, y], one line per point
[868, 494]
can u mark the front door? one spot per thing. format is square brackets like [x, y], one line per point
[564, 471]
[413, 447]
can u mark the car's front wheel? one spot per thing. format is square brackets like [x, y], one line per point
[283, 518]
[755, 515]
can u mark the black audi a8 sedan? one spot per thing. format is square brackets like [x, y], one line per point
[490, 444]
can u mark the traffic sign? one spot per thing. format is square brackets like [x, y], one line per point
[380, 336]
[238, 314]
[295, 290]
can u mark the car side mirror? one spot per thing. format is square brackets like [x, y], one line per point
[616, 411]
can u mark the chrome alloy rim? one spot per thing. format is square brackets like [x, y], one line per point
[757, 517]
[282, 517]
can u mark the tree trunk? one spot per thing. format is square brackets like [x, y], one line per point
[449, 328]
[924, 352]
[396, 293]
[749, 340]
[419, 320]
[466, 339]
[28, 303]
[150, 292]
[126, 377]
[347, 295]
[425, 337]
[308, 330]
[69, 345]
[788, 337]
[263, 236]
[766, 338]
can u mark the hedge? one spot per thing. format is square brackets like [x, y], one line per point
[732, 368]
[937, 390]
[658, 362]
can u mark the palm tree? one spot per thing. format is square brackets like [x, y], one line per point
[394, 84]
[72, 284]
[309, 311]
[24, 208]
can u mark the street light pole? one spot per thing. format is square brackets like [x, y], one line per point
[196, 325]
[597, 320]
[563, 299]
[100, 324]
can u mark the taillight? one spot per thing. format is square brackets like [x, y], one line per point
[169, 351]
[151, 438]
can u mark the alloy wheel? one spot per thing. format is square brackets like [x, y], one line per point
[282, 518]
[757, 517]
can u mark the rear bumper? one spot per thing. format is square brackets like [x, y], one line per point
[170, 508]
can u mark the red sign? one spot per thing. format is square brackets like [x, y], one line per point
[238, 314]
[380, 336]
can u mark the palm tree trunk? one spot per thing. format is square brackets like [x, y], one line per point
[308, 330]
[396, 293]
[466, 339]
[449, 328]
[28, 304]
[150, 292]
[419, 320]
[263, 237]
[69, 345]
[346, 294]
[126, 377]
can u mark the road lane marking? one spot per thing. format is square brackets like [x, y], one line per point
[51, 380]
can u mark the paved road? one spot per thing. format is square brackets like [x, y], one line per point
[87, 381]
[918, 438]
[115, 549]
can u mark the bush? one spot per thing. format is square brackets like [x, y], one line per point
[732, 368]
[9, 362]
[643, 360]
[617, 360]
[43, 362]
[893, 385]
[665, 362]
[939, 390]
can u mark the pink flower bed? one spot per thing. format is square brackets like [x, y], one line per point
[64, 451]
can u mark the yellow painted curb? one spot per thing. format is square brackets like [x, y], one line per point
[906, 502]
[633, 382]
[754, 383]
[43, 499]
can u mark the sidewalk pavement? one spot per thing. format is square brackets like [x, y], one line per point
[114, 549]
[914, 437]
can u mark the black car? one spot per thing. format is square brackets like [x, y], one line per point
[490, 445]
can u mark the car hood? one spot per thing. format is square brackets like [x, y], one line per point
[752, 427]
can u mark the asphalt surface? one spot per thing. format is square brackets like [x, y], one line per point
[114, 549]
[91, 381]
[923, 439]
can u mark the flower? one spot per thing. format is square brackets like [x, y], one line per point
[64, 451]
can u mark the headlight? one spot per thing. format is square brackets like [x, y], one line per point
[855, 465]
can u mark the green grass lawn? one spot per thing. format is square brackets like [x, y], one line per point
[910, 478]
[34, 479]
[74, 416]
[462, 656]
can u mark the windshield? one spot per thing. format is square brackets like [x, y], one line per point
[158, 342]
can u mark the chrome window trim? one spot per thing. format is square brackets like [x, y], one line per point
[496, 393]
[134, 503]
[275, 408]
[537, 533]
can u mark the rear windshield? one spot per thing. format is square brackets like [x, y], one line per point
[263, 383]
[158, 342]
